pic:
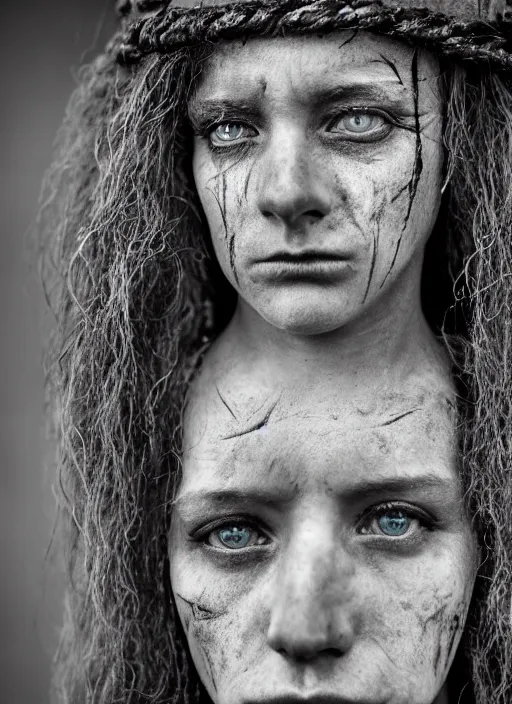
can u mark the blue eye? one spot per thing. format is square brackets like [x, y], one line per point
[394, 523]
[228, 132]
[235, 536]
[361, 126]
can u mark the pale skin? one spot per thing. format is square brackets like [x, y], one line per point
[298, 180]
[286, 582]
[325, 406]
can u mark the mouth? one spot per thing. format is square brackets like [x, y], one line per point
[305, 256]
[318, 699]
[305, 265]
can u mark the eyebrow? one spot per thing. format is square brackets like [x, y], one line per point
[204, 110]
[380, 487]
[194, 503]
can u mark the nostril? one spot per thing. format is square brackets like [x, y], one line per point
[314, 214]
[306, 655]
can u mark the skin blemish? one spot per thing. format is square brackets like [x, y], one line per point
[347, 41]
[200, 613]
[197, 620]
[222, 179]
[226, 403]
[247, 179]
[391, 66]
[395, 419]
[455, 628]
[402, 190]
[232, 256]
[231, 245]
[418, 162]
[375, 245]
[230, 238]
[256, 426]
[224, 223]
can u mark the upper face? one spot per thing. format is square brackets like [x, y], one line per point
[318, 163]
[319, 550]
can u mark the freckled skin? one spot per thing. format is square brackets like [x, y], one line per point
[292, 187]
[321, 607]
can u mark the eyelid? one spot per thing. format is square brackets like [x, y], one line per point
[200, 533]
[429, 522]
[203, 125]
[227, 143]
[392, 119]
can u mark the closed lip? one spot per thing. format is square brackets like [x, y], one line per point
[315, 699]
[303, 257]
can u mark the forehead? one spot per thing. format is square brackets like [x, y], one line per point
[302, 63]
[318, 444]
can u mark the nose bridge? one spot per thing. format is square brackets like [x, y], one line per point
[287, 158]
[312, 602]
[291, 183]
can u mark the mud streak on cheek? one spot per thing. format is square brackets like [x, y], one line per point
[193, 616]
[412, 185]
[229, 238]
[448, 627]
[247, 179]
[375, 222]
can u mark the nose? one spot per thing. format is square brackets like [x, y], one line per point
[313, 610]
[292, 188]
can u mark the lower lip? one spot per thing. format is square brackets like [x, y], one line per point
[301, 269]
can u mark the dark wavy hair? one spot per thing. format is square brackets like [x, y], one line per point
[138, 296]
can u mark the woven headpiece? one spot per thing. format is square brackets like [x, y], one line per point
[476, 30]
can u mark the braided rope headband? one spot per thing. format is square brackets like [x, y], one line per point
[472, 30]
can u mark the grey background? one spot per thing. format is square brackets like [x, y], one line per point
[42, 41]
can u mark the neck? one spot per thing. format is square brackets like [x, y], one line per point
[386, 343]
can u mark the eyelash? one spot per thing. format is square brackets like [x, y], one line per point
[427, 523]
[206, 131]
[203, 534]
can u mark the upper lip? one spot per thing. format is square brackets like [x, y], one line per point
[304, 255]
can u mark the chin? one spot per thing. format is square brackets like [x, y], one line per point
[303, 319]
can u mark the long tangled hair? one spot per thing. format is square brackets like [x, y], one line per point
[137, 297]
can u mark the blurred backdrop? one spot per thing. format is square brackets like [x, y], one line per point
[43, 41]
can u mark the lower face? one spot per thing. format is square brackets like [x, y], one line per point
[319, 554]
[318, 163]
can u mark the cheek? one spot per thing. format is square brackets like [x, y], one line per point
[220, 620]
[418, 615]
[222, 191]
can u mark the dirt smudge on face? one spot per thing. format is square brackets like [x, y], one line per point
[196, 616]
[447, 621]
[412, 185]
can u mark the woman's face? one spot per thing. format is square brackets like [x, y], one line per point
[318, 163]
[319, 553]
